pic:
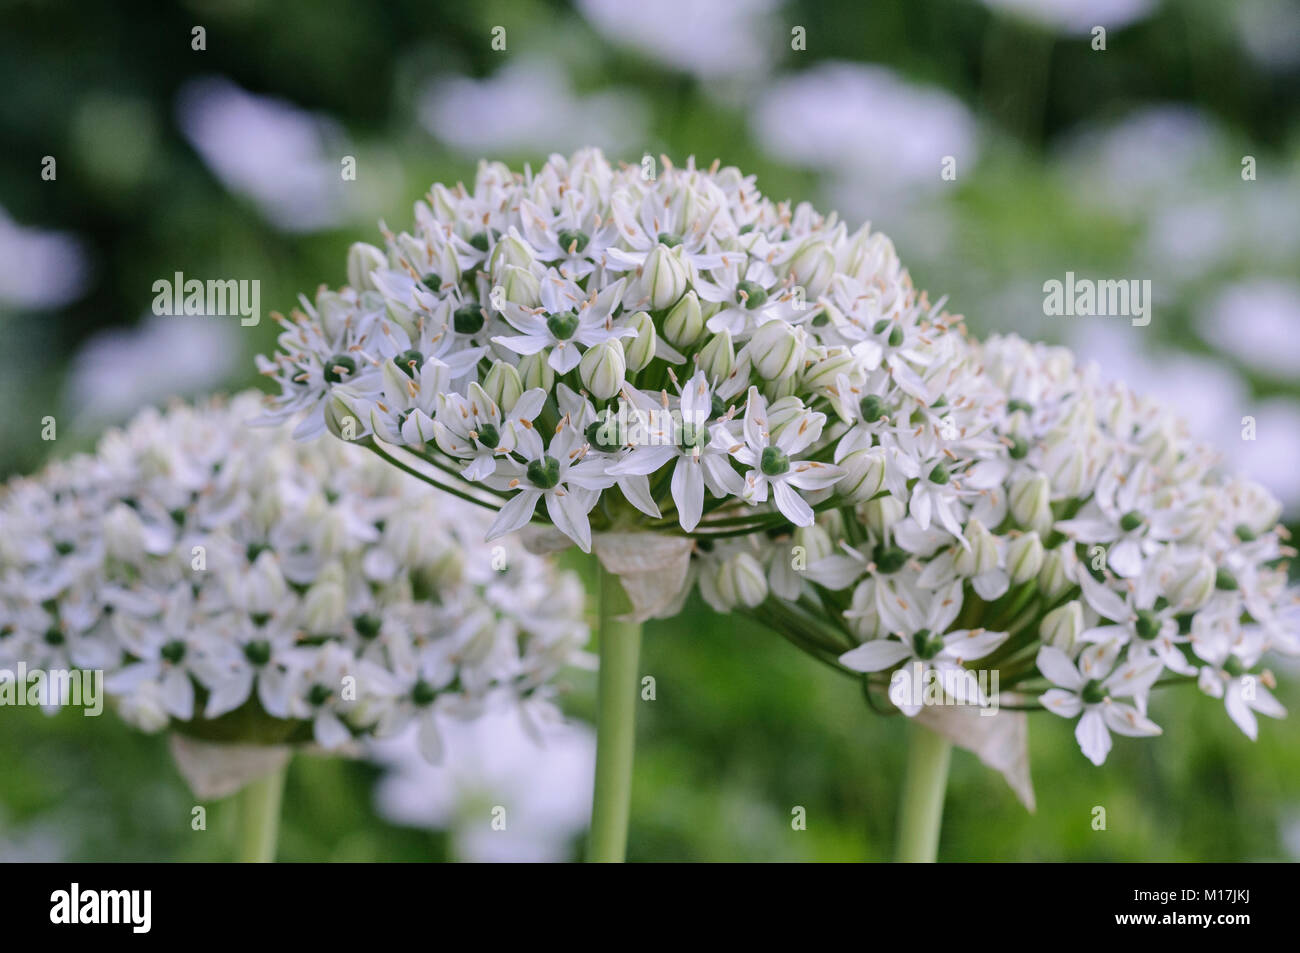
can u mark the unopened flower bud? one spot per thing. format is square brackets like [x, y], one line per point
[776, 350]
[685, 322]
[1054, 577]
[325, 605]
[1061, 627]
[881, 515]
[520, 286]
[536, 372]
[1031, 502]
[982, 556]
[639, 351]
[1025, 557]
[603, 369]
[263, 585]
[864, 474]
[341, 420]
[124, 534]
[1193, 584]
[816, 542]
[509, 251]
[813, 266]
[503, 385]
[362, 260]
[741, 581]
[663, 278]
[717, 358]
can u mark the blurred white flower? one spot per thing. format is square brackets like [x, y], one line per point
[529, 106]
[38, 268]
[1149, 153]
[1269, 30]
[1076, 16]
[493, 762]
[715, 40]
[286, 160]
[871, 129]
[1257, 322]
[1205, 393]
[1273, 457]
[120, 370]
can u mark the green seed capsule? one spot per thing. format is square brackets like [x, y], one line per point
[544, 473]
[1130, 521]
[468, 319]
[339, 368]
[1094, 693]
[488, 436]
[423, 694]
[573, 241]
[888, 559]
[751, 294]
[563, 325]
[1147, 625]
[409, 362]
[367, 626]
[872, 408]
[774, 461]
[258, 652]
[927, 644]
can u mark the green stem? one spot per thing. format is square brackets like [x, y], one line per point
[921, 808]
[259, 818]
[616, 697]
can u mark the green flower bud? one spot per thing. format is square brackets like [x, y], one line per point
[1061, 627]
[663, 278]
[685, 322]
[503, 385]
[603, 369]
[776, 350]
[717, 358]
[362, 260]
[1025, 557]
[640, 350]
[536, 372]
[864, 475]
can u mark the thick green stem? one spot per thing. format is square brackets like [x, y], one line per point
[616, 697]
[921, 809]
[259, 818]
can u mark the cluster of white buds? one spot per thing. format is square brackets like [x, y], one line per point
[680, 355]
[238, 586]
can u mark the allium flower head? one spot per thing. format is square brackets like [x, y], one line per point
[238, 586]
[614, 352]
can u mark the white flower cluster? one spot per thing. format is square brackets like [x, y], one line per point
[763, 380]
[240, 586]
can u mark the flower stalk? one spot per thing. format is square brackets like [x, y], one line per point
[616, 694]
[259, 818]
[921, 807]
